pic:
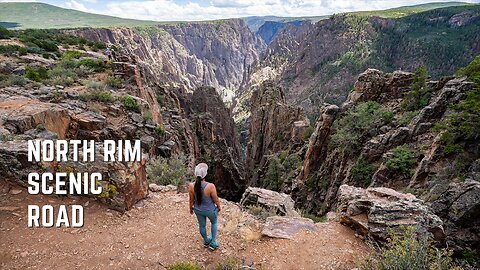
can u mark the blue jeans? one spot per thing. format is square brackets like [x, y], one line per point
[202, 223]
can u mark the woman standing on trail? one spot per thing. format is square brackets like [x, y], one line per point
[203, 198]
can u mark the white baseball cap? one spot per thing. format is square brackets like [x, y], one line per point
[201, 170]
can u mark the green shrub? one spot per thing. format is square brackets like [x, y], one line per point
[472, 70]
[5, 33]
[68, 63]
[409, 250]
[388, 116]
[9, 49]
[273, 177]
[308, 132]
[463, 125]
[160, 130]
[95, 86]
[281, 169]
[114, 82]
[36, 74]
[160, 99]
[356, 122]
[315, 219]
[407, 117]
[362, 172]
[96, 65]
[419, 96]
[168, 171]
[40, 128]
[71, 54]
[62, 76]
[102, 96]
[402, 160]
[22, 51]
[12, 80]
[130, 103]
[185, 266]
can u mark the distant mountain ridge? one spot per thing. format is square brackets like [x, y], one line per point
[316, 63]
[22, 15]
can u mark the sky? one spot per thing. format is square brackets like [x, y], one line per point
[186, 10]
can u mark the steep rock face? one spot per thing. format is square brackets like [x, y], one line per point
[216, 142]
[316, 63]
[459, 207]
[216, 54]
[274, 127]
[269, 30]
[327, 166]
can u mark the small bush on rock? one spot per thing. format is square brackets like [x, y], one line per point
[12, 80]
[419, 96]
[406, 118]
[37, 74]
[114, 82]
[362, 172]
[308, 133]
[409, 250]
[356, 122]
[130, 103]
[168, 171]
[71, 54]
[402, 160]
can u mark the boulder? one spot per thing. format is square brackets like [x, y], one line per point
[286, 227]
[22, 115]
[281, 203]
[124, 183]
[459, 208]
[90, 120]
[375, 211]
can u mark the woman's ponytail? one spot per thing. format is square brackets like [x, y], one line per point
[198, 190]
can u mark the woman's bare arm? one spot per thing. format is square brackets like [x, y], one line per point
[191, 195]
[215, 198]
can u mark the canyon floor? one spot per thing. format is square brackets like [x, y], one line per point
[156, 234]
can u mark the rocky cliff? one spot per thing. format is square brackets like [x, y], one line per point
[275, 127]
[217, 54]
[316, 63]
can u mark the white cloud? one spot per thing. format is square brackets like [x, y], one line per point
[169, 10]
[72, 4]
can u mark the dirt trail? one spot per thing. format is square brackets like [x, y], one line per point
[159, 233]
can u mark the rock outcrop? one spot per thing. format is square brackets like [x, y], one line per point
[326, 168]
[459, 208]
[275, 126]
[286, 227]
[279, 203]
[375, 211]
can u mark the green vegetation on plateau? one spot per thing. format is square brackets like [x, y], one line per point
[407, 10]
[39, 15]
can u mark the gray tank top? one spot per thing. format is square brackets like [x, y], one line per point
[207, 202]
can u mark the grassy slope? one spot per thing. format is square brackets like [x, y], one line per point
[407, 10]
[39, 15]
